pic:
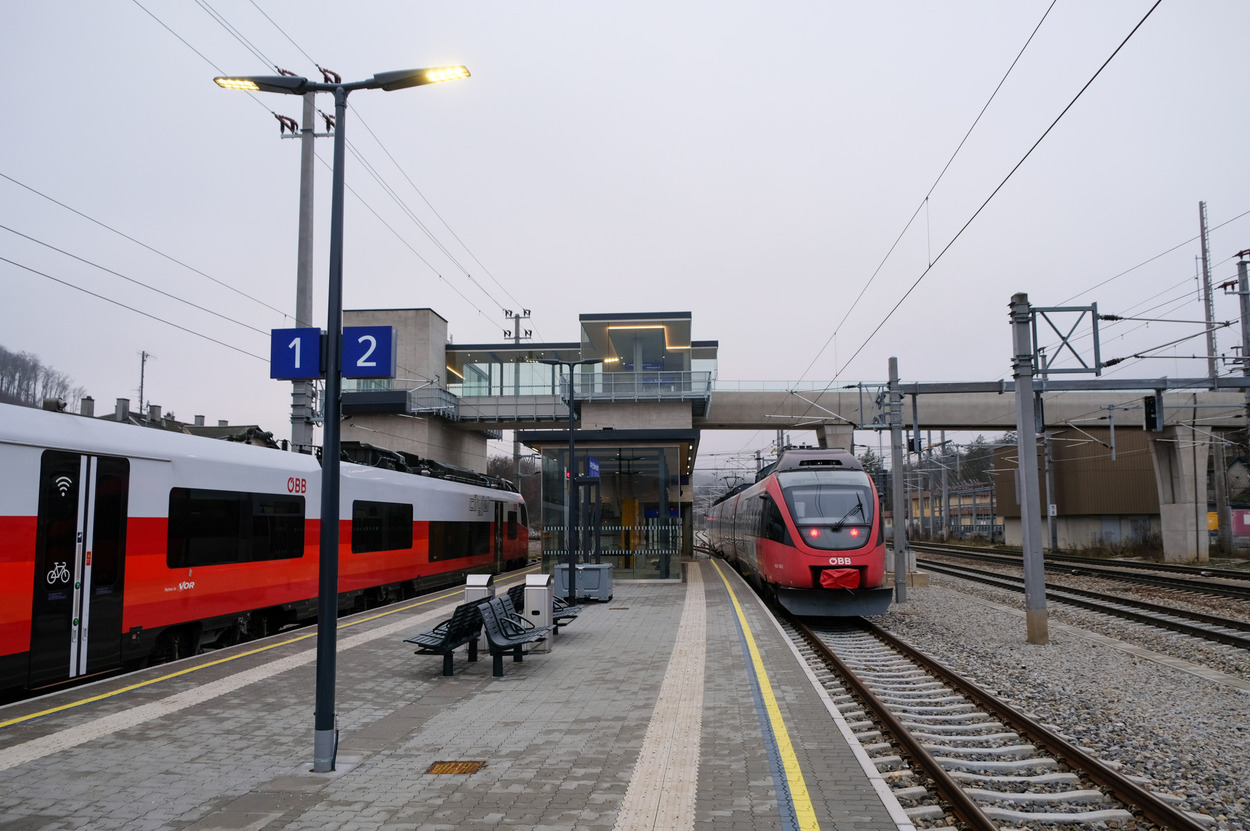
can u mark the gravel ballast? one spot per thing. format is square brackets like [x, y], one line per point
[1133, 695]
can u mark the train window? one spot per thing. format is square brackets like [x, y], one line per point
[831, 508]
[772, 526]
[210, 527]
[824, 497]
[112, 490]
[451, 540]
[381, 526]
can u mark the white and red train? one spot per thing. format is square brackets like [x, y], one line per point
[808, 532]
[121, 545]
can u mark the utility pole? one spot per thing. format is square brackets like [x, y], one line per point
[516, 336]
[1052, 526]
[1208, 303]
[896, 465]
[1026, 445]
[1223, 515]
[302, 391]
[143, 363]
[946, 494]
[1243, 294]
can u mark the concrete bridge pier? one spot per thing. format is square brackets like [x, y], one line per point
[840, 436]
[1180, 462]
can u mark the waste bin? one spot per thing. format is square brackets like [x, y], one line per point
[479, 587]
[539, 592]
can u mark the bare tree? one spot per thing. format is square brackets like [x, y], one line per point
[25, 380]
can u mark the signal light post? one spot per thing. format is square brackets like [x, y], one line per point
[325, 740]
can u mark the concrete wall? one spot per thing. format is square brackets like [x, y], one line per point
[431, 438]
[635, 415]
[1078, 532]
[421, 342]
[420, 357]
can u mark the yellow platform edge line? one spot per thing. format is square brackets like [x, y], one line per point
[804, 812]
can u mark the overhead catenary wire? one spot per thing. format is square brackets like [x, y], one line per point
[161, 292]
[925, 201]
[256, 52]
[143, 245]
[408, 245]
[133, 309]
[235, 33]
[1000, 186]
[958, 234]
[433, 210]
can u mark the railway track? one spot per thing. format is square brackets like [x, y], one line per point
[956, 754]
[1227, 631]
[1170, 576]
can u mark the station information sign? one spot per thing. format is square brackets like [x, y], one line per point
[296, 354]
[368, 352]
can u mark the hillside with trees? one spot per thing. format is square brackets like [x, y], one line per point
[26, 381]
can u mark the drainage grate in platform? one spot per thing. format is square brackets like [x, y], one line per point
[456, 767]
[618, 608]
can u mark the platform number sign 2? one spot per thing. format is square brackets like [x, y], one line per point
[368, 352]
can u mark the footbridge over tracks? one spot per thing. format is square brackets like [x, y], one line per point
[974, 406]
[1191, 415]
[1182, 419]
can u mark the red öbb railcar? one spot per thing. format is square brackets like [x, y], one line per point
[121, 545]
[808, 532]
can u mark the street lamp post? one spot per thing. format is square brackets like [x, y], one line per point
[570, 479]
[325, 740]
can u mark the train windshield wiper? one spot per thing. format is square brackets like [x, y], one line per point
[859, 506]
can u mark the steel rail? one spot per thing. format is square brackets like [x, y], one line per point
[1118, 785]
[961, 804]
[1147, 615]
[1112, 570]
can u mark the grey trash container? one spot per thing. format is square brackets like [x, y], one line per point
[539, 591]
[479, 587]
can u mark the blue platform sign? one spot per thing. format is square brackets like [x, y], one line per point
[592, 467]
[295, 354]
[368, 352]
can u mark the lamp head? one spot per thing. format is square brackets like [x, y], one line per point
[291, 85]
[404, 78]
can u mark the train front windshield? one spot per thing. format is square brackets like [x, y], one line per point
[832, 509]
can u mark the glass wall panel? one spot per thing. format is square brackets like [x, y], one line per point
[633, 516]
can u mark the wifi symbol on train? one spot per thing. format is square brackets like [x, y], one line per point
[63, 484]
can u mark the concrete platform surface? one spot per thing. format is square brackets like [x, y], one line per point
[674, 705]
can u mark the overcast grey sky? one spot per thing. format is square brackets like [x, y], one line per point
[750, 163]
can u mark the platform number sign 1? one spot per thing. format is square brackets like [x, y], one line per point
[368, 352]
[295, 354]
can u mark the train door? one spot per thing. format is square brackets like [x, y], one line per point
[498, 543]
[80, 550]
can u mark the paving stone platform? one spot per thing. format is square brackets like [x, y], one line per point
[646, 713]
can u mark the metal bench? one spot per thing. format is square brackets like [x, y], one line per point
[463, 627]
[506, 633]
[562, 613]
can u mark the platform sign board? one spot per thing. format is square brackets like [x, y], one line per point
[592, 465]
[368, 352]
[295, 354]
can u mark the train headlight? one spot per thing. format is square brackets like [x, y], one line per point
[854, 532]
[813, 533]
